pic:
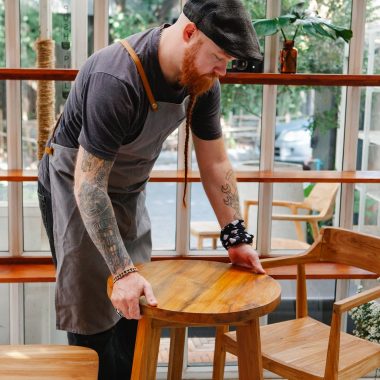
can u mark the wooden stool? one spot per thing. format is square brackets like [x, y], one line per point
[24, 362]
[202, 293]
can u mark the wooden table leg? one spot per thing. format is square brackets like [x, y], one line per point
[177, 346]
[146, 350]
[219, 354]
[249, 351]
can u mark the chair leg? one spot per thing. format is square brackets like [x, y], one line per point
[177, 346]
[219, 354]
[214, 243]
[249, 351]
[200, 242]
[146, 350]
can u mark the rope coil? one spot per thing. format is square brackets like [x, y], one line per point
[45, 94]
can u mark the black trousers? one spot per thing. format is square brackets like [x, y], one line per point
[115, 347]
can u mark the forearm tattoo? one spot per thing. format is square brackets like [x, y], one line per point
[231, 195]
[97, 212]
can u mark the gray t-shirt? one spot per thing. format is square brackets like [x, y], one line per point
[107, 105]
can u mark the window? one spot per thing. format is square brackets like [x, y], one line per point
[309, 132]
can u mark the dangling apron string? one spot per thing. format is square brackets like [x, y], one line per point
[141, 71]
[48, 149]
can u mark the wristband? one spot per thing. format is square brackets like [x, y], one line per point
[234, 233]
[124, 273]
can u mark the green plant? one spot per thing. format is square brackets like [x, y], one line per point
[300, 20]
[366, 319]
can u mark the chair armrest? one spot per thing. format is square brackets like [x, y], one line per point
[356, 300]
[312, 255]
[279, 203]
[295, 218]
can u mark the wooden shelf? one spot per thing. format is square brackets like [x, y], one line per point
[302, 79]
[242, 176]
[230, 78]
[41, 271]
[38, 74]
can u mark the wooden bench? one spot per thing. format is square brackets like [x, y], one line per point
[39, 362]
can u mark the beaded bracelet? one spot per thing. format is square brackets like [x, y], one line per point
[124, 273]
[234, 233]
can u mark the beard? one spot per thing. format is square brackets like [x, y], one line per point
[190, 78]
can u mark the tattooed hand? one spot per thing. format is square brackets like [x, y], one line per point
[245, 256]
[126, 293]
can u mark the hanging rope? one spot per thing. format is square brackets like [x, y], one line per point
[45, 94]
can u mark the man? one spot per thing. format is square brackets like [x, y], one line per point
[98, 161]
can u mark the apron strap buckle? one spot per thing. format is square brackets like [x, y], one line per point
[49, 150]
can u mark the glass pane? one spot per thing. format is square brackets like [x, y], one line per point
[367, 196]
[318, 54]
[62, 36]
[161, 204]
[4, 314]
[315, 202]
[3, 141]
[320, 295]
[40, 315]
[4, 218]
[309, 136]
[241, 126]
[129, 17]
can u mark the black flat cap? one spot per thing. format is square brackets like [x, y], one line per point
[227, 24]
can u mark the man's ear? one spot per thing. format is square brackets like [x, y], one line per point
[189, 30]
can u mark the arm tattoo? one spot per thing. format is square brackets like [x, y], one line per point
[97, 212]
[231, 195]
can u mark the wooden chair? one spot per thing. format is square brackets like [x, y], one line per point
[319, 204]
[43, 362]
[304, 348]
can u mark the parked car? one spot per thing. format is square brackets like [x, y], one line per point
[293, 142]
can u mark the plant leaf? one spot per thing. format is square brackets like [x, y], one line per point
[266, 27]
[285, 20]
[319, 26]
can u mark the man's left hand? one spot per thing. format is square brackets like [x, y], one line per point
[245, 256]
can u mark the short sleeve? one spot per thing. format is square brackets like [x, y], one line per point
[205, 122]
[107, 114]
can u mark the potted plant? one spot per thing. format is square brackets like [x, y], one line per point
[296, 22]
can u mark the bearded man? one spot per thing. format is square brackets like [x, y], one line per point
[126, 100]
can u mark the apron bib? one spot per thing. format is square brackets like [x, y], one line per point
[82, 304]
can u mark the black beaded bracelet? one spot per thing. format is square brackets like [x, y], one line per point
[234, 233]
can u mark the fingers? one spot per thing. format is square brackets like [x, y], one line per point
[150, 298]
[126, 295]
[257, 265]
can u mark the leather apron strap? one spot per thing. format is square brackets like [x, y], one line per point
[49, 150]
[141, 71]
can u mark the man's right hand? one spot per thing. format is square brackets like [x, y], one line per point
[126, 294]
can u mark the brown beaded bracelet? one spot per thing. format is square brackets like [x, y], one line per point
[124, 273]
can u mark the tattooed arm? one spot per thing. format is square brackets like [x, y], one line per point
[90, 188]
[221, 188]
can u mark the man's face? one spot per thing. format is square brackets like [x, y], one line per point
[202, 64]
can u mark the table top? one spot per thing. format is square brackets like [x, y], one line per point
[205, 292]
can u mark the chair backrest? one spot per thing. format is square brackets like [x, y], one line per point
[351, 248]
[322, 199]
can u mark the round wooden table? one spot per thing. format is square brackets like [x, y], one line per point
[202, 293]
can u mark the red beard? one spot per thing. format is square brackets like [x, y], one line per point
[196, 84]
